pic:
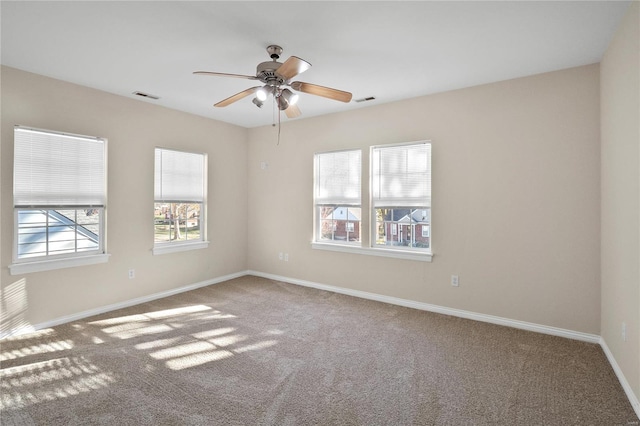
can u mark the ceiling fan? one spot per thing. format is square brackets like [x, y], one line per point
[276, 77]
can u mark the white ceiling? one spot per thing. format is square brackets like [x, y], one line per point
[391, 50]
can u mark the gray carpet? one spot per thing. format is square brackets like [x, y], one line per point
[252, 351]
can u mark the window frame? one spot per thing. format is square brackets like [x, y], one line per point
[335, 204]
[24, 265]
[407, 253]
[427, 252]
[173, 246]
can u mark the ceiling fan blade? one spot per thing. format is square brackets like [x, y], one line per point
[293, 111]
[237, 97]
[326, 92]
[221, 74]
[292, 67]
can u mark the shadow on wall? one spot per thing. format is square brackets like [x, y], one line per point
[13, 308]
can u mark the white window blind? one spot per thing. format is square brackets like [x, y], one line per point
[179, 176]
[338, 177]
[55, 169]
[401, 175]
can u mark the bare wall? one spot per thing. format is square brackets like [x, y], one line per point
[620, 121]
[516, 199]
[133, 129]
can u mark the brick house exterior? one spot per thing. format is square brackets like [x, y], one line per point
[403, 228]
[342, 224]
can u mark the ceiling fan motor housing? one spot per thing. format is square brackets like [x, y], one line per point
[266, 73]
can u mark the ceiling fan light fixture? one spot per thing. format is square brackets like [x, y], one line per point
[290, 97]
[261, 94]
[258, 102]
[282, 103]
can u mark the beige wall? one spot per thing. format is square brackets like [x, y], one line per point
[516, 199]
[620, 122]
[133, 128]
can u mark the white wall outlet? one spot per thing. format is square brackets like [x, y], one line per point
[280, 256]
[264, 165]
[286, 257]
[132, 274]
[624, 332]
[455, 280]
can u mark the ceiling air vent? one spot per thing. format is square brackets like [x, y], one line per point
[368, 98]
[146, 95]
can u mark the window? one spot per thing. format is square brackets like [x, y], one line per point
[337, 196]
[180, 195]
[400, 201]
[401, 195]
[59, 198]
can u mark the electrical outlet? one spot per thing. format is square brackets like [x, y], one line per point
[624, 331]
[286, 257]
[132, 274]
[455, 281]
[280, 255]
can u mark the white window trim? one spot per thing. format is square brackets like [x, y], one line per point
[51, 264]
[348, 203]
[423, 256]
[388, 252]
[177, 247]
[160, 248]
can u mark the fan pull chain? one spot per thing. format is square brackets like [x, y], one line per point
[279, 116]
[276, 110]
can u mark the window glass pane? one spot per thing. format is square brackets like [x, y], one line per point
[46, 232]
[177, 222]
[339, 223]
[408, 227]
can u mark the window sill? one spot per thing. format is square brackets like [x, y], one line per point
[177, 247]
[48, 265]
[370, 251]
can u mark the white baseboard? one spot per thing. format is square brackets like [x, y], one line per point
[633, 398]
[119, 305]
[576, 335]
[545, 329]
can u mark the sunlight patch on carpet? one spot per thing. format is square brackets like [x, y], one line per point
[57, 378]
[256, 347]
[199, 359]
[41, 348]
[163, 314]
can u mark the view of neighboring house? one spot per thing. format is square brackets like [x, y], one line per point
[341, 223]
[405, 227]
